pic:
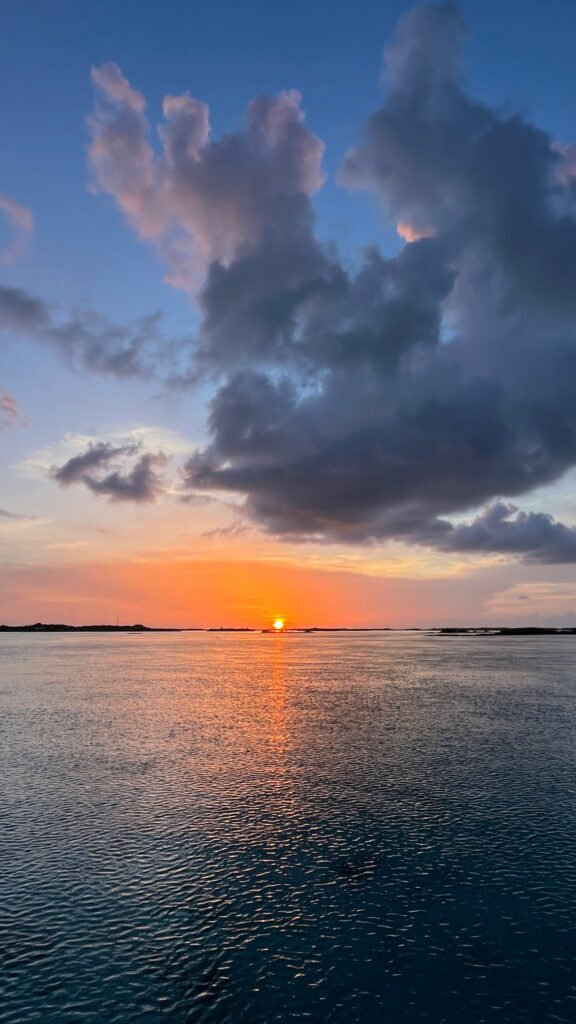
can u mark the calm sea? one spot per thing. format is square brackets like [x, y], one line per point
[316, 828]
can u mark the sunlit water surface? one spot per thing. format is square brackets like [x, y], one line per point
[319, 828]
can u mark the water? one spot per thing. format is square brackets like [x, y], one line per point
[204, 828]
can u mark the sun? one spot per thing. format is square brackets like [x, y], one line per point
[279, 624]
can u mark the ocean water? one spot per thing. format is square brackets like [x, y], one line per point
[247, 829]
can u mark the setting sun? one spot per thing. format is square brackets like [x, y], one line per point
[279, 624]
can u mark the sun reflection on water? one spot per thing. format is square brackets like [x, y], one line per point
[279, 734]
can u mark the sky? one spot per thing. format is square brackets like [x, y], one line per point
[288, 313]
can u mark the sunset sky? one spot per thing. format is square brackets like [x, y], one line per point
[288, 313]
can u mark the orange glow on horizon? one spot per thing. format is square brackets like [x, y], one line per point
[204, 593]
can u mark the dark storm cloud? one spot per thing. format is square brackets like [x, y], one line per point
[85, 338]
[140, 482]
[445, 164]
[371, 402]
[422, 385]
[295, 306]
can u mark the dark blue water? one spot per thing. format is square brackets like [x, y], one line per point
[250, 828]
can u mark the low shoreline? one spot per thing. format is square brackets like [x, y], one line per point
[47, 627]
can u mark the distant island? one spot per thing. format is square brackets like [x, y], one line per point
[61, 627]
[506, 631]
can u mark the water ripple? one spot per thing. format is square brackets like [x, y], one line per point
[252, 829]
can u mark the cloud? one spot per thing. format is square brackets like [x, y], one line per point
[87, 339]
[140, 482]
[20, 311]
[361, 403]
[201, 199]
[233, 530]
[504, 529]
[4, 514]
[11, 414]
[110, 80]
[368, 418]
[128, 439]
[21, 221]
[95, 457]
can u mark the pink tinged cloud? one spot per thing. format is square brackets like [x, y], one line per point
[413, 232]
[200, 199]
[119, 154]
[21, 222]
[110, 80]
[11, 414]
